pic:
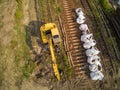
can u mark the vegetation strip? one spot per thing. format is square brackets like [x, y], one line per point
[22, 54]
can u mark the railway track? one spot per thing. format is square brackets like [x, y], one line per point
[115, 22]
[75, 49]
[107, 63]
[77, 52]
[116, 25]
[108, 33]
[109, 67]
[91, 21]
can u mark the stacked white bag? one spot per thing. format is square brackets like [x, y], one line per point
[89, 44]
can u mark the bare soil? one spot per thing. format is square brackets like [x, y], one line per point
[9, 72]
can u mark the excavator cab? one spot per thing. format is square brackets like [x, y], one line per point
[50, 29]
[55, 36]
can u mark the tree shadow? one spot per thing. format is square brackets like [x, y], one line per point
[33, 30]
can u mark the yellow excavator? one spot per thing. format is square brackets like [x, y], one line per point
[51, 36]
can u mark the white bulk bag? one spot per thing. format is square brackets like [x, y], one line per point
[96, 75]
[89, 43]
[83, 27]
[98, 63]
[91, 52]
[79, 21]
[81, 17]
[79, 11]
[93, 67]
[86, 37]
[95, 50]
[93, 59]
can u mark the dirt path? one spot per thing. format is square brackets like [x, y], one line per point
[29, 17]
[9, 72]
[7, 55]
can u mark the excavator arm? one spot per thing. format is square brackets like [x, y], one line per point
[55, 67]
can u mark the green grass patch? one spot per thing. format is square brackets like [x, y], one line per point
[64, 65]
[19, 12]
[13, 43]
[68, 69]
[22, 55]
[49, 10]
[95, 9]
[27, 69]
[106, 6]
[110, 41]
[97, 35]
[41, 9]
[57, 8]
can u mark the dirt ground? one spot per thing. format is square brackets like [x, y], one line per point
[9, 72]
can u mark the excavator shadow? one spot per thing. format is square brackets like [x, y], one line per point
[33, 31]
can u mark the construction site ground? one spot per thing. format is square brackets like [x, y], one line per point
[25, 62]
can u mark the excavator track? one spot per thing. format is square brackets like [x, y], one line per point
[75, 48]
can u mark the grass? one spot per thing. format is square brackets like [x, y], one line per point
[94, 9]
[42, 9]
[110, 41]
[27, 69]
[19, 12]
[68, 69]
[3, 67]
[22, 55]
[14, 56]
[97, 35]
[49, 10]
[64, 64]
[106, 6]
[57, 8]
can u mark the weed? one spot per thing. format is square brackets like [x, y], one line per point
[42, 8]
[19, 12]
[3, 68]
[22, 54]
[1, 24]
[58, 9]
[13, 43]
[27, 69]
[65, 65]
[106, 6]
[97, 35]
